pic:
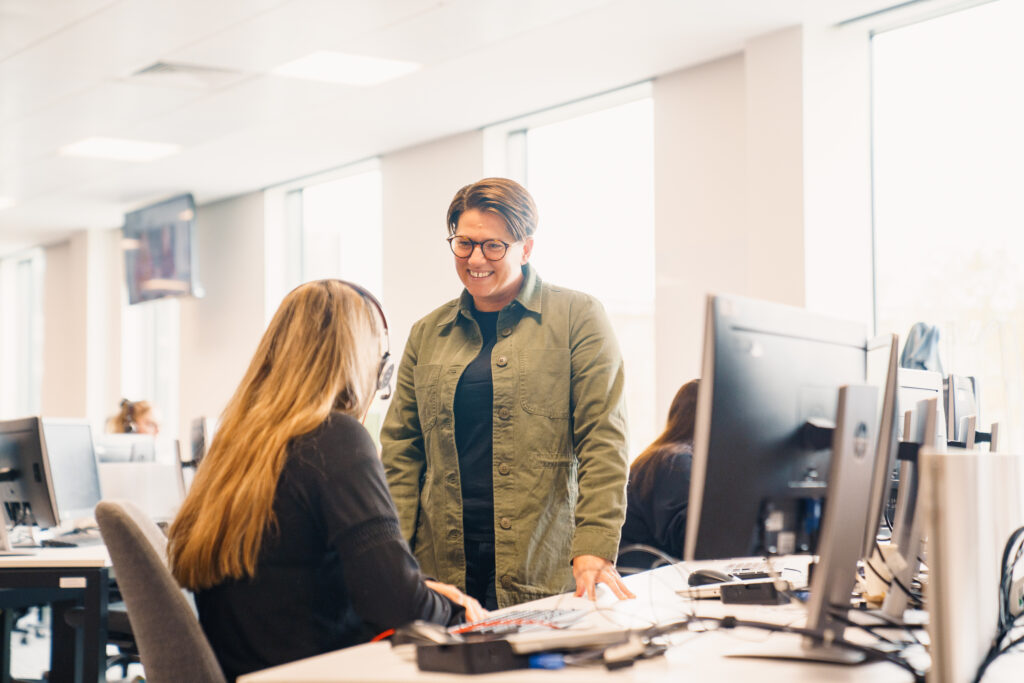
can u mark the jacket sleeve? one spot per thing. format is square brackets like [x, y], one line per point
[599, 430]
[401, 440]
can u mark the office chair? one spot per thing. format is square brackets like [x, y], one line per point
[171, 642]
[119, 628]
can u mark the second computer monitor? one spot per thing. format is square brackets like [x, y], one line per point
[73, 467]
[26, 488]
[759, 475]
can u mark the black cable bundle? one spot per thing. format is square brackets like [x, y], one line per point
[1007, 622]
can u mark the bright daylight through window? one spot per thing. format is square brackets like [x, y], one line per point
[949, 220]
[593, 179]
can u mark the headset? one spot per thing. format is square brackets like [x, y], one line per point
[386, 371]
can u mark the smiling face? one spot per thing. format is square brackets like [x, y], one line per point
[492, 284]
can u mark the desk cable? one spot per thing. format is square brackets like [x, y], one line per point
[1010, 614]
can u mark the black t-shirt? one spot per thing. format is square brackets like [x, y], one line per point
[474, 440]
[334, 573]
[656, 501]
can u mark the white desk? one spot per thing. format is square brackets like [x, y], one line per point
[65, 578]
[693, 656]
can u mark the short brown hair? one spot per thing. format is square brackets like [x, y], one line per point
[502, 196]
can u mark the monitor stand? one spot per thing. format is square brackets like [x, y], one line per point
[908, 527]
[842, 532]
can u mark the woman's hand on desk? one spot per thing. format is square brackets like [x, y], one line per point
[474, 612]
[590, 570]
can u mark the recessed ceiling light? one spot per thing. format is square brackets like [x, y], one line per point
[335, 67]
[119, 149]
[6, 203]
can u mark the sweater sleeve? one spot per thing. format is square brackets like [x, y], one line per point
[382, 576]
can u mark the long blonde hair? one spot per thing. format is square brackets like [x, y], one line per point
[320, 353]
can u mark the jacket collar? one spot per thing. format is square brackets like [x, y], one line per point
[529, 297]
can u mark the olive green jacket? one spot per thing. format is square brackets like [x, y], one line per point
[560, 453]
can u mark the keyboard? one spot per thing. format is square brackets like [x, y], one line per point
[520, 621]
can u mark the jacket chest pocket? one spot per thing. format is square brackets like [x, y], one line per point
[425, 384]
[544, 382]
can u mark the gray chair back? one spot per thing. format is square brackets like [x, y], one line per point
[171, 642]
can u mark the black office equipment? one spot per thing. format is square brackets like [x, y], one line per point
[160, 251]
[766, 480]
[27, 489]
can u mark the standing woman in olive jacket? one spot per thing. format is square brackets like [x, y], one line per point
[505, 445]
[288, 536]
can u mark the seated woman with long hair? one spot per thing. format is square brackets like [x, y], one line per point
[288, 535]
[659, 486]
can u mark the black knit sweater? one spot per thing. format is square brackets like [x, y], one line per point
[333, 573]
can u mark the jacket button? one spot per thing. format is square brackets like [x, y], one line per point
[502, 361]
[503, 413]
[503, 468]
[506, 523]
[453, 534]
[452, 479]
[506, 332]
[506, 582]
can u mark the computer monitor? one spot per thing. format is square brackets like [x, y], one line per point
[883, 372]
[125, 447]
[915, 386]
[202, 430]
[925, 429]
[26, 487]
[757, 481]
[73, 467]
[787, 455]
[960, 400]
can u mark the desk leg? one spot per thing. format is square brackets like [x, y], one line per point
[94, 640]
[65, 644]
[6, 626]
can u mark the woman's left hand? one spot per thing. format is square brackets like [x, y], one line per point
[474, 612]
[590, 570]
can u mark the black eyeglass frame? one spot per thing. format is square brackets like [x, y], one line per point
[481, 245]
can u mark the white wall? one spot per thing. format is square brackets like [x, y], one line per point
[220, 332]
[837, 172]
[700, 217]
[775, 177]
[418, 186]
[65, 316]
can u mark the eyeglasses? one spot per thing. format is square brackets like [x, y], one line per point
[493, 250]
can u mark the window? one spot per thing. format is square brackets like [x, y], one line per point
[948, 168]
[21, 334]
[150, 353]
[592, 176]
[334, 230]
[341, 230]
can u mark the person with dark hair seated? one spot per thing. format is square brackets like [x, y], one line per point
[659, 487]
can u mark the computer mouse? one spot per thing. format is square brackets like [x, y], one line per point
[701, 577]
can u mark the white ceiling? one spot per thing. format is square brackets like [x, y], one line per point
[65, 68]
